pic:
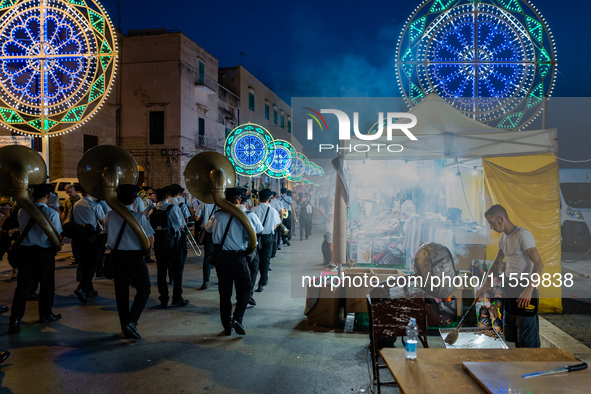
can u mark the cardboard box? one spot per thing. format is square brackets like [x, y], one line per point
[467, 247]
[324, 308]
[356, 301]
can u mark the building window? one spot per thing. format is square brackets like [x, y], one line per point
[251, 101]
[267, 111]
[275, 116]
[201, 131]
[289, 126]
[282, 122]
[90, 141]
[201, 73]
[156, 127]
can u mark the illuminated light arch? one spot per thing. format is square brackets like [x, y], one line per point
[58, 60]
[279, 164]
[298, 168]
[248, 147]
[494, 60]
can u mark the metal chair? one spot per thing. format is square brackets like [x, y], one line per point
[388, 318]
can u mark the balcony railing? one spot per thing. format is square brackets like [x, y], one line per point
[207, 85]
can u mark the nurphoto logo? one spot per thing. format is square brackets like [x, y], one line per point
[391, 124]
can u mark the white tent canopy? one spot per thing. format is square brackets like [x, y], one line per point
[444, 132]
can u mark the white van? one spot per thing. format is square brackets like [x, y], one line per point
[59, 187]
[575, 207]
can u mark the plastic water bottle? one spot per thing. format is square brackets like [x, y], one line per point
[412, 339]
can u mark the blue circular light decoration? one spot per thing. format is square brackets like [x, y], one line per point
[278, 165]
[57, 64]
[298, 168]
[494, 60]
[248, 147]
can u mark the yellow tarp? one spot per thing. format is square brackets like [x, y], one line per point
[528, 188]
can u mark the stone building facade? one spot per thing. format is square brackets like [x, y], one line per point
[171, 104]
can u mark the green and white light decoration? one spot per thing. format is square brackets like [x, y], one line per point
[249, 147]
[494, 60]
[298, 168]
[58, 60]
[279, 164]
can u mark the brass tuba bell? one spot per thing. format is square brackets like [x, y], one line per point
[207, 176]
[20, 167]
[100, 172]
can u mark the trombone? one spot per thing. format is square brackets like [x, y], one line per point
[192, 242]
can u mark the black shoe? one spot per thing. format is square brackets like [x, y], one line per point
[100, 275]
[33, 297]
[302, 238]
[81, 296]
[260, 289]
[228, 331]
[150, 261]
[204, 285]
[14, 327]
[130, 331]
[270, 269]
[278, 248]
[288, 243]
[3, 309]
[92, 294]
[180, 302]
[4, 356]
[251, 301]
[163, 302]
[238, 327]
[51, 317]
[306, 237]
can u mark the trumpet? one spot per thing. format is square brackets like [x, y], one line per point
[285, 213]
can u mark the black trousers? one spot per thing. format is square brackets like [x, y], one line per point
[276, 239]
[305, 225]
[265, 258]
[183, 245]
[89, 261]
[40, 262]
[130, 265]
[233, 271]
[173, 259]
[253, 266]
[207, 248]
[287, 223]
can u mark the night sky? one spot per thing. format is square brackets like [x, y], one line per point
[346, 49]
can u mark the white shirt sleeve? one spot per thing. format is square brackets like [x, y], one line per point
[527, 239]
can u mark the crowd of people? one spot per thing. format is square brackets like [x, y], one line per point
[104, 244]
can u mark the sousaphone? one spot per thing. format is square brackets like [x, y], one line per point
[207, 176]
[100, 172]
[21, 167]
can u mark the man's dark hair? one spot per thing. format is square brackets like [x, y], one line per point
[161, 194]
[495, 211]
[39, 193]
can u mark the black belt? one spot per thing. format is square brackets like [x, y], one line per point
[38, 248]
[263, 235]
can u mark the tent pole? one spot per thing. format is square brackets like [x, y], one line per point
[339, 245]
[545, 114]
